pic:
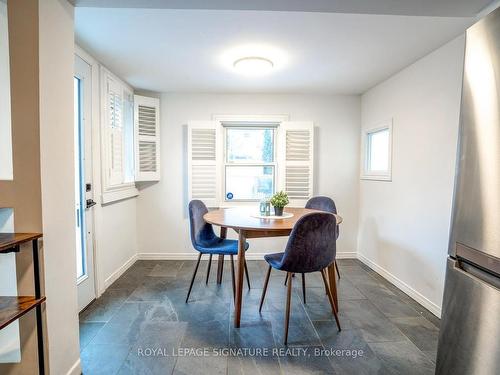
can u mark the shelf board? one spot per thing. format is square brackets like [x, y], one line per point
[12, 308]
[9, 240]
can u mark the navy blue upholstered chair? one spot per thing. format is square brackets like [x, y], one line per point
[326, 204]
[321, 203]
[205, 241]
[311, 247]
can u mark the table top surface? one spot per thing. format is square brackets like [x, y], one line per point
[12, 308]
[7, 240]
[241, 218]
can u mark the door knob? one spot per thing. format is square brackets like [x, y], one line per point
[90, 203]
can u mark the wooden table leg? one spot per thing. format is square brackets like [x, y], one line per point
[333, 284]
[239, 277]
[220, 260]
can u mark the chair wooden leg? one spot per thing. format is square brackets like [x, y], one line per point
[220, 269]
[337, 268]
[194, 276]
[332, 283]
[246, 273]
[286, 277]
[288, 301]
[208, 268]
[265, 288]
[232, 277]
[330, 298]
[304, 287]
[327, 289]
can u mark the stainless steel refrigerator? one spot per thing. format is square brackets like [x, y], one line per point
[469, 341]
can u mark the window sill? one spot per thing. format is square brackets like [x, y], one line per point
[119, 194]
[386, 178]
[226, 204]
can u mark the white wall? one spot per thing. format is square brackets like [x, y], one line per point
[163, 230]
[404, 224]
[6, 172]
[56, 25]
[116, 240]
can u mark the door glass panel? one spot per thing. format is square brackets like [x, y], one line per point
[79, 194]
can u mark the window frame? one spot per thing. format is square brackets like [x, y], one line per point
[248, 119]
[214, 200]
[113, 192]
[225, 163]
[375, 175]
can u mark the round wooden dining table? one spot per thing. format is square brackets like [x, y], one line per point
[243, 221]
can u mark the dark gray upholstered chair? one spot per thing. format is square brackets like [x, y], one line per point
[205, 241]
[326, 204]
[311, 247]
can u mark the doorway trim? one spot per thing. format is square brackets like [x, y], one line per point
[96, 165]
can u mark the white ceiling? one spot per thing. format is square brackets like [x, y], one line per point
[192, 50]
[448, 8]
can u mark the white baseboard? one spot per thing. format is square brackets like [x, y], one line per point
[424, 301]
[115, 275]
[167, 256]
[347, 255]
[75, 369]
[194, 255]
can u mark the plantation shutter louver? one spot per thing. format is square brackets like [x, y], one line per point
[204, 158]
[296, 142]
[147, 138]
[117, 138]
[114, 109]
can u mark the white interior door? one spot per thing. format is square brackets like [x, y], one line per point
[83, 183]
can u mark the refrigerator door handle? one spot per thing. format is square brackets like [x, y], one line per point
[478, 258]
[471, 270]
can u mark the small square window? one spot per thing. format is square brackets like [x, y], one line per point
[377, 153]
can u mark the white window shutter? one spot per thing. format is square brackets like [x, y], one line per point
[296, 161]
[204, 162]
[117, 138]
[114, 122]
[147, 138]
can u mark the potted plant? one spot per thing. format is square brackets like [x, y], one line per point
[279, 201]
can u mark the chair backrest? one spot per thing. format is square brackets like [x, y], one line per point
[202, 233]
[323, 204]
[312, 244]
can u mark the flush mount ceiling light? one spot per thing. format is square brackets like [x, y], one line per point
[253, 60]
[253, 65]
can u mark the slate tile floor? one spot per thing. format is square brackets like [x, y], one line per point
[141, 323]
